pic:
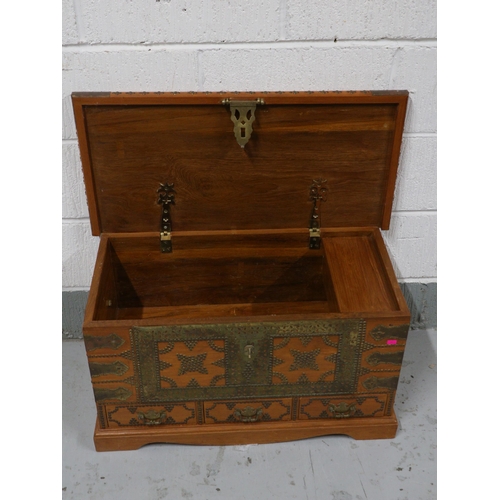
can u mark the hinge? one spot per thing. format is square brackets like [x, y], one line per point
[317, 193]
[242, 115]
[166, 197]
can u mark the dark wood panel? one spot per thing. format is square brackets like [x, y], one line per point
[132, 148]
[218, 281]
[107, 298]
[227, 310]
[238, 273]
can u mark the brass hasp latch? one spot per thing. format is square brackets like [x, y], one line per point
[243, 116]
[317, 193]
[166, 197]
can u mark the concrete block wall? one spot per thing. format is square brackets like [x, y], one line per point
[213, 45]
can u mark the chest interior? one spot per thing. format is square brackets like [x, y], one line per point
[243, 275]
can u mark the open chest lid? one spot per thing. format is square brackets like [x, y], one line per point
[239, 160]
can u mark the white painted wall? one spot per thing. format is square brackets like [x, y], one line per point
[266, 45]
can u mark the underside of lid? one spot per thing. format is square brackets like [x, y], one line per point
[131, 144]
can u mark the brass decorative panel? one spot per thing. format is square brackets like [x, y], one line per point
[377, 358]
[200, 362]
[399, 332]
[115, 368]
[103, 394]
[381, 383]
[112, 341]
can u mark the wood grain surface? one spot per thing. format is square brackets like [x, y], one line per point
[238, 275]
[233, 434]
[132, 143]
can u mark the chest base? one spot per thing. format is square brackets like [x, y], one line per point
[241, 434]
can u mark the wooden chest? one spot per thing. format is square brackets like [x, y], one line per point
[242, 291]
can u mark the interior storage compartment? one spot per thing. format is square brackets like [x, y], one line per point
[242, 275]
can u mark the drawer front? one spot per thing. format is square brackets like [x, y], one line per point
[149, 416]
[339, 407]
[249, 412]
[247, 360]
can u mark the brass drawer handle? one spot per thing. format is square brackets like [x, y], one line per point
[342, 410]
[248, 414]
[152, 417]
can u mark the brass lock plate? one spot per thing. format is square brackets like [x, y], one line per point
[234, 361]
[242, 116]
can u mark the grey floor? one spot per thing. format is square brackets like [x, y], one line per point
[325, 468]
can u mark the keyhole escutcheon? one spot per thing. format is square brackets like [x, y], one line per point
[249, 351]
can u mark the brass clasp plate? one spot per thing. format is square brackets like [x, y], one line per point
[243, 116]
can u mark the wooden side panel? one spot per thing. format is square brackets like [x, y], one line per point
[106, 302]
[88, 174]
[358, 276]
[394, 160]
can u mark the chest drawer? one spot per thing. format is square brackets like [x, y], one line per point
[342, 407]
[114, 416]
[267, 410]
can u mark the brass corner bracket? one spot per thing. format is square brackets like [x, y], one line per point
[317, 193]
[243, 116]
[166, 197]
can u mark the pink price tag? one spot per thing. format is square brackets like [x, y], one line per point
[392, 342]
